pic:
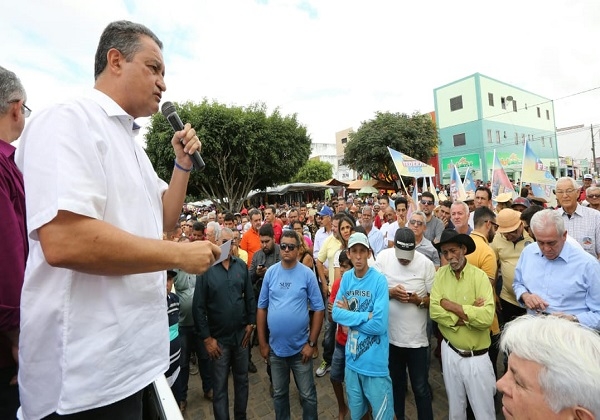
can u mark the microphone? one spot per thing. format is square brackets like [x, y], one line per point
[170, 113]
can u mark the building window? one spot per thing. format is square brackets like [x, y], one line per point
[489, 135]
[491, 99]
[539, 112]
[547, 114]
[498, 136]
[522, 138]
[503, 102]
[345, 140]
[514, 106]
[516, 138]
[456, 103]
[543, 141]
[459, 139]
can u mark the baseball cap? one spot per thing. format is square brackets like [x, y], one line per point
[521, 201]
[508, 220]
[404, 244]
[588, 176]
[358, 238]
[325, 211]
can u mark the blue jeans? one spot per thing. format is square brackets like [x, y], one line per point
[235, 357]
[190, 342]
[416, 360]
[305, 382]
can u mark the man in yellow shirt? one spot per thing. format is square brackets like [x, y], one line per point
[462, 303]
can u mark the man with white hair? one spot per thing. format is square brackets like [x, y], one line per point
[459, 215]
[554, 370]
[555, 277]
[581, 222]
[592, 196]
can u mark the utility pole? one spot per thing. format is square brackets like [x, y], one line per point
[593, 151]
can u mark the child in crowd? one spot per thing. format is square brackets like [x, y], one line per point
[338, 361]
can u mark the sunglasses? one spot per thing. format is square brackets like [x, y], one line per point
[285, 247]
[426, 203]
[593, 195]
[416, 222]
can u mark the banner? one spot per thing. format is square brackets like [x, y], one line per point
[457, 190]
[469, 184]
[407, 166]
[500, 182]
[534, 170]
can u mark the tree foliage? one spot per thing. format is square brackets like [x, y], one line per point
[244, 149]
[314, 171]
[366, 151]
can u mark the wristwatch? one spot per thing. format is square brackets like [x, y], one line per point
[422, 304]
[311, 343]
[253, 326]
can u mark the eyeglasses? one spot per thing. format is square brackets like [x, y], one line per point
[24, 108]
[426, 203]
[285, 247]
[593, 196]
[416, 222]
[493, 224]
[563, 192]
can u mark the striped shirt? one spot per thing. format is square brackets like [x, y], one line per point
[175, 350]
[584, 226]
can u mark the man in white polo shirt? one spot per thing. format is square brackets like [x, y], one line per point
[94, 330]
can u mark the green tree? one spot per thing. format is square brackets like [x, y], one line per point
[244, 149]
[314, 171]
[366, 151]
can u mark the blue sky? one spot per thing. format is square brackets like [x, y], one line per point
[333, 62]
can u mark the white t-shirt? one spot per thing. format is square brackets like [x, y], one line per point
[87, 340]
[407, 324]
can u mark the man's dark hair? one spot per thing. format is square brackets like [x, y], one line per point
[446, 203]
[198, 226]
[482, 215]
[229, 217]
[486, 189]
[401, 200]
[296, 222]
[303, 204]
[529, 212]
[123, 36]
[266, 230]
[272, 208]
[291, 234]
[428, 195]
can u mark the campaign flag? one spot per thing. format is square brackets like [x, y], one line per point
[534, 170]
[500, 182]
[469, 184]
[457, 189]
[433, 192]
[407, 166]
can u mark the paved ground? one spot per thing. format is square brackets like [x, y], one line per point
[260, 404]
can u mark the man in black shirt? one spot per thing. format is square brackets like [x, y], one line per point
[224, 311]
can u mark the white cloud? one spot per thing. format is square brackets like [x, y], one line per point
[333, 62]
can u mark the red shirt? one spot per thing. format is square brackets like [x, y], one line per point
[340, 336]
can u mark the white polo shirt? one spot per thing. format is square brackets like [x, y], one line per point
[87, 340]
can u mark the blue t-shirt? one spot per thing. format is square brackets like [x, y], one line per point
[286, 293]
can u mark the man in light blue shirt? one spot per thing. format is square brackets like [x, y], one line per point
[554, 277]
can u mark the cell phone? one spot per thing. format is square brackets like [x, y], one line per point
[261, 266]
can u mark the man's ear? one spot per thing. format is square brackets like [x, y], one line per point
[113, 60]
[583, 414]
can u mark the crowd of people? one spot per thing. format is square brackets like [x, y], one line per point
[107, 286]
[459, 271]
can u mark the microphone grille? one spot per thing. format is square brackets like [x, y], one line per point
[168, 108]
